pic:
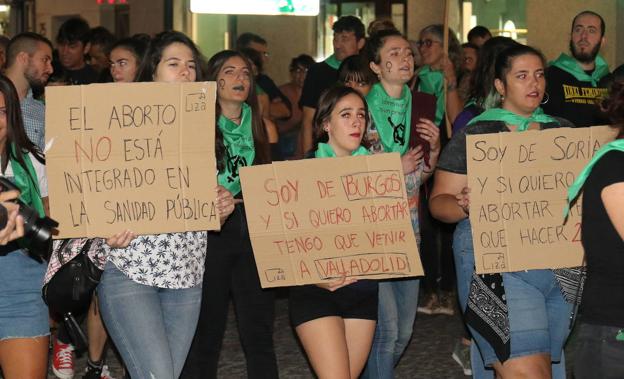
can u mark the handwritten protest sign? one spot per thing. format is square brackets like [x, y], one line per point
[519, 184]
[316, 220]
[137, 156]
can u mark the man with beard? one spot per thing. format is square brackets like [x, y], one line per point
[349, 39]
[572, 82]
[29, 64]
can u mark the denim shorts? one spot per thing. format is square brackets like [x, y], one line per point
[538, 316]
[22, 310]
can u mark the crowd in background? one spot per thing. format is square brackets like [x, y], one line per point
[162, 301]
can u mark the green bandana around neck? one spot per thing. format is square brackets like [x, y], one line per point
[391, 117]
[325, 150]
[26, 180]
[432, 82]
[333, 62]
[571, 66]
[575, 188]
[239, 146]
[510, 118]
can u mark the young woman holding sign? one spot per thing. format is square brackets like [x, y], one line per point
[390, 103]
[336, 321]
[527, 331]
[601, 331]
[150, 291]
[244, 138]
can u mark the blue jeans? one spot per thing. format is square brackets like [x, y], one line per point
[397, 310]
[152, 327]
[599, 354]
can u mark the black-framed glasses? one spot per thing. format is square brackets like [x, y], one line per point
[426, 42]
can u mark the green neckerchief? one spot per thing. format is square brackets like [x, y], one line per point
[571, 66]
[432, 82]
[332, 62]
[239, 146]
[510, 118]
[575, 188]
[325, 150]
[392, 117]
[470, 102]
[26, 180]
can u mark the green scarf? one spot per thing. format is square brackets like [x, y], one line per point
[26, 180]
[392, 117]
[324, 150]
[332, 62]
[510, 118]
[575, 188]
[571, 66]
[239, 146]
[432, 82]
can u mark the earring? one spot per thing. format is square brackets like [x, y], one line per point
[544, 101]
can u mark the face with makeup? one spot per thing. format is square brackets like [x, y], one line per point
[234, 80]
[346, 125]
[177, 64]
[396, 64]
[523, 85]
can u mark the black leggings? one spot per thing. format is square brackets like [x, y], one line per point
[230, 267]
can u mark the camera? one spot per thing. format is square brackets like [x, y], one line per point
[37, 230]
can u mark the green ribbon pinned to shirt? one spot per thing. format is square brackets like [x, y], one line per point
[325, 150]
[575, 188]
[391, 117]
[571, 66]
[432, 82]
[25, 179]
[333, 62]
[510, 118]
[239, 146]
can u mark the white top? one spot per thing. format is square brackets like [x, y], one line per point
[170, 260]
[39, 169]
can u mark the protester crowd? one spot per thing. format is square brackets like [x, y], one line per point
[162, 300]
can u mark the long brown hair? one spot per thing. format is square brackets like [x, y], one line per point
[15, 129]
[261, 140]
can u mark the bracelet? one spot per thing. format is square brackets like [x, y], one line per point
[451, 87]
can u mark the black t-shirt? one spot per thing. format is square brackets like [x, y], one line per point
[453, 157]
[603, 296]
[320, 77]
[573, 99]
[85, 75]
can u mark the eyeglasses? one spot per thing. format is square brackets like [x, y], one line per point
[300, 70]
[426, 42]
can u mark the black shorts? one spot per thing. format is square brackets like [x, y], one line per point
[307, 303]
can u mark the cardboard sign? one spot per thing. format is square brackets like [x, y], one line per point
[315, 220]
[519, 184]
[137, 156]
